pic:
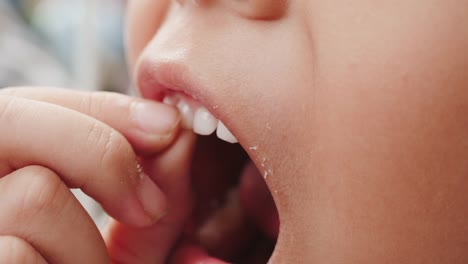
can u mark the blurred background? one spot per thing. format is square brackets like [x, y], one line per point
[75, 44]
[72, 44]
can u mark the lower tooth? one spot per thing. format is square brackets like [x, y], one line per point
[223, 133]
[186, 113]
[204, 123]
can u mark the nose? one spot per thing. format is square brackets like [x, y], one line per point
[142, 21]
[252, 9]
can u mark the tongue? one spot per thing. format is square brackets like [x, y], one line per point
[192, 254]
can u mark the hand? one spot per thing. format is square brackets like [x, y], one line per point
[52, 140]
[192, 175]
[193, 179]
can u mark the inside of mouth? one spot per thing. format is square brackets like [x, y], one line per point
[235, 219]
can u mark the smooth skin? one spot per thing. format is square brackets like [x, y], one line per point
[369, 100]
[369, 97]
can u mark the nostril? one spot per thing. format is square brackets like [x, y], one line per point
[259, 9]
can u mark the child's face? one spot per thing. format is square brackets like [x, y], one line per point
[333, 97]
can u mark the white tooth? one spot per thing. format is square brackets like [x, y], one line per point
[170, 100]
[186, 113]
[223, 133]
[204, 123]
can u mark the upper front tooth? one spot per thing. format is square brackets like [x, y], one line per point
[204, 122]
[186, 113]
[170, 100]
[223, 133]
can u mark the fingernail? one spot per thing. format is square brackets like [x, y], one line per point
[152, 199]
[155, 118]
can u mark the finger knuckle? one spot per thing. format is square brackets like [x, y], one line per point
[90, 104]
[42, 191]
[96, 103]
[16, 250]
[11, 91]
[110, 145]
[9, 109]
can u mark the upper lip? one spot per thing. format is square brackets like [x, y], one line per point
[155, 79]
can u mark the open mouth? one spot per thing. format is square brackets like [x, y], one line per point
[234, 218]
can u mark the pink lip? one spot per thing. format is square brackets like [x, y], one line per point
[158, 78]
[155, 79]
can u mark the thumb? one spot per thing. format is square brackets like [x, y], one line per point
[171, 172]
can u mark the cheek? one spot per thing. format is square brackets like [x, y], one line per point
[371, 45]
[269, 80]
[391, 89]
[384, 59]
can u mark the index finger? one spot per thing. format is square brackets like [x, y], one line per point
[149, 126]
[86, 153]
